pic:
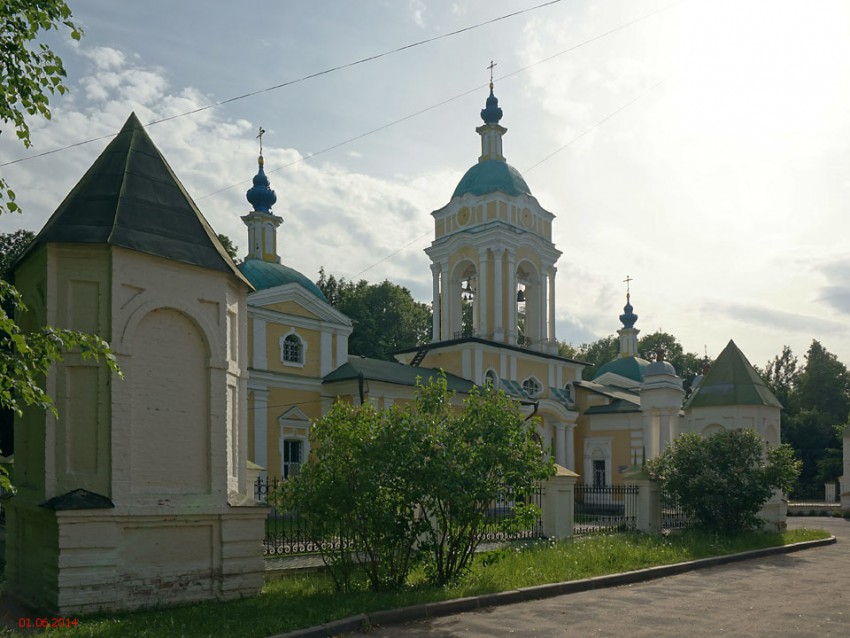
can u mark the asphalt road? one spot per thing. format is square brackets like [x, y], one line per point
[802, 594]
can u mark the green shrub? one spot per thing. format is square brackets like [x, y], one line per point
[723, 480]
[386, 488]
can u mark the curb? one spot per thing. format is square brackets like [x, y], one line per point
[459, 605]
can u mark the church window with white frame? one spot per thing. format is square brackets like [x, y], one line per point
[532, 386]
[293, 450]
[491, 379]
[292, 349]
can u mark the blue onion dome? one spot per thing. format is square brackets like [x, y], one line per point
[628, 317]
[260, 195]
[491, 114]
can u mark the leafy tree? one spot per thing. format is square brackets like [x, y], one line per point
[723, 480]
[781, 376]
[687, 364]
[415, 481]
[358, 489]
[601, 351]
[824, 382]
[386, 318]
[28, 73]
[229, 246]
[12, 246]
[470, 460]
[596, 353]
[818, 400]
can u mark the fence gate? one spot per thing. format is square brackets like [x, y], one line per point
[604, 508]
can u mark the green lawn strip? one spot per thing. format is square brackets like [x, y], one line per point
[310, 599]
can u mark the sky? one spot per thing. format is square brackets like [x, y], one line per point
[700, 148]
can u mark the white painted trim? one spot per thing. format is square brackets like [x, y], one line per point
[326, 353]
[258, 326]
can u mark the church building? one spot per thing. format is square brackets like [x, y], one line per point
[492, 249]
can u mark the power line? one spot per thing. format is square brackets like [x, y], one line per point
[595, 125]
[311, 76]
[451, 99]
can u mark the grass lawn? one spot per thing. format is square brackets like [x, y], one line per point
[310, 599]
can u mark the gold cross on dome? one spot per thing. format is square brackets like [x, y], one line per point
[628, 280]
[492, 64]
[260, 137]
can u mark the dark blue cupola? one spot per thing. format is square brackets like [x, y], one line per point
[629, 318]
[491, 113]
[260, 195]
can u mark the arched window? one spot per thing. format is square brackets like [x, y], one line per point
[491, 379]
[532, 386]
[292, 349]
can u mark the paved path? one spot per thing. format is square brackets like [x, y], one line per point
[803, 594]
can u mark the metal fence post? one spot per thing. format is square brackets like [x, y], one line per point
[559, 503]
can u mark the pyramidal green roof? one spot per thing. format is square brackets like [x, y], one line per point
[731, 381]
[131, 198]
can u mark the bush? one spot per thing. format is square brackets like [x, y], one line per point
[723, 480]
[414, 482]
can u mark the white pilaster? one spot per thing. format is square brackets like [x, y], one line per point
[511, 292]
[259, 351]
[552, 271]
[435, 305]
[571, 450]
[498, 290]
[483, 325]
[261, 437]
[561, 444]
[445, 302]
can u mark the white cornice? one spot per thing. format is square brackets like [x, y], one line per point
[266, 379]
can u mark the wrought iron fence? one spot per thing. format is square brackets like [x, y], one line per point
[604, 508]
[672, 516]
[287, 533]
[502, 511]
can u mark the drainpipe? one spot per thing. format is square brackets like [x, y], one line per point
[360, 386]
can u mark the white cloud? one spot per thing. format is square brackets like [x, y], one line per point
[418, 9]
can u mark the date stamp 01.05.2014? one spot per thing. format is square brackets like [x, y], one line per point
[43, 622]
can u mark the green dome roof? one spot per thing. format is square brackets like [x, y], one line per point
[628, 367]
[265, 274]
[489, 176]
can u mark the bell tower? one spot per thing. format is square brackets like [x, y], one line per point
[493, 249]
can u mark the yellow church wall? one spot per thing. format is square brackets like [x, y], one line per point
[525, 253]
[280, 402]
[492, 211]
[311, 340]
[291, 308]
[439, 228]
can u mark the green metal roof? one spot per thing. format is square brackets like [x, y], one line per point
[393, 372]
[131, 198]
[610, 391]
[490, 176]
[628, 367]
[265, 274]
[617, 406]
[731, 380]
